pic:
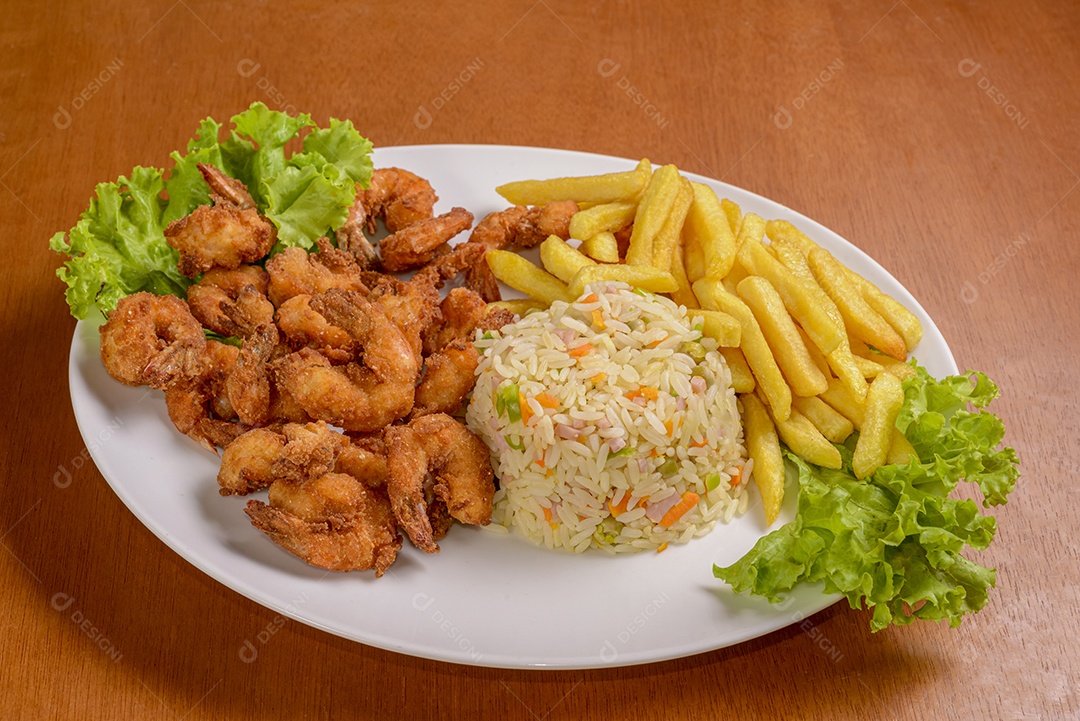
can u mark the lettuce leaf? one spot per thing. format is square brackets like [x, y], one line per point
[118, 246]
[893, 542]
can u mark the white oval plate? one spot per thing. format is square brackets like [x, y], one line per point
[486, 600]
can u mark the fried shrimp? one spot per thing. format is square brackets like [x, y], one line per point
[151, 339]
[247, 464]
[333, 522]
[294, 271]
[353, 396]
[194, 399]
[416, 244]
[248, 385]
[463, 312]
[449, 375]
[412, 306]
[231, 302]
[399, 197]
[303, 326]
[226, 234]
[436, 460]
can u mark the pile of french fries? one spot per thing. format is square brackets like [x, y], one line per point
[816, 351]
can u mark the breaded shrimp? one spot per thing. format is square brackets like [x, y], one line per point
[416, 244]
[231, 302]
[353, 396]
[461, 313]
[412, 306]
[294, 271]
[449, 375]
[333, 522]
[247, 464]
[435, 458]
[248, 385]
[151, 339]
[400, 197]
[227, 234]
[194, 399]
[304, 327]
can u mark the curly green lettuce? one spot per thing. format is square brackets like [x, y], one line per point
[118, 246]
[893, 542]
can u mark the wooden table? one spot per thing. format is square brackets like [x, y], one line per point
[941, 138]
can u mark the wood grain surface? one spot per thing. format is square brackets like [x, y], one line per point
[939, 137]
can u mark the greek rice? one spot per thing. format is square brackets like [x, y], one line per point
[601, 436]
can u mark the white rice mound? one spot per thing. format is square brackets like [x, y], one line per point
[574, 430]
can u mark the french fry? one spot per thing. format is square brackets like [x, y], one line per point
[784, 230]
[867, 367]
[607, 188]
[518, 273]
[900, 450]
[734, 215]
[901, 370]
[671, 232]
[816, 355]
[800, 299]
[652, 211]
[763, 446]
[742, 378]
[519, 306]
[759, 356]
[694, 258]
[831, 424]
[644, 277]
[707, 226]
[683, 295]
[807, 442]
[782, 336]
[605, 218]
[862, 321]
[561, 259]
[902, 320]
[601, 247]
[751, 228]
[721, 327]
[883, 403]
[841, 359]
[843, 402]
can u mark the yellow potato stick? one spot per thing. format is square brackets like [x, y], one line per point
[683, 295]
[806, 304]
[899, 369]
[843, 402]
[752, 228]
[816, 355]
[712, 296]
[902, 320]
[841, 360]
[518, 273]
[862, 321]
[832, 425]
[807, 442]
[720, 326]
[867, 367]
[784, 230]
[783, 338]
[734, 215]
[763, 447]
[605, 218]
[519, 306]
[900, 450]
[652, 211]
[707, 226]
[671, 233]
[694, 258]
[644, 277]
[883, 403]
[562, 260]
[601, 247]
[607, 188]
[742, 378]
